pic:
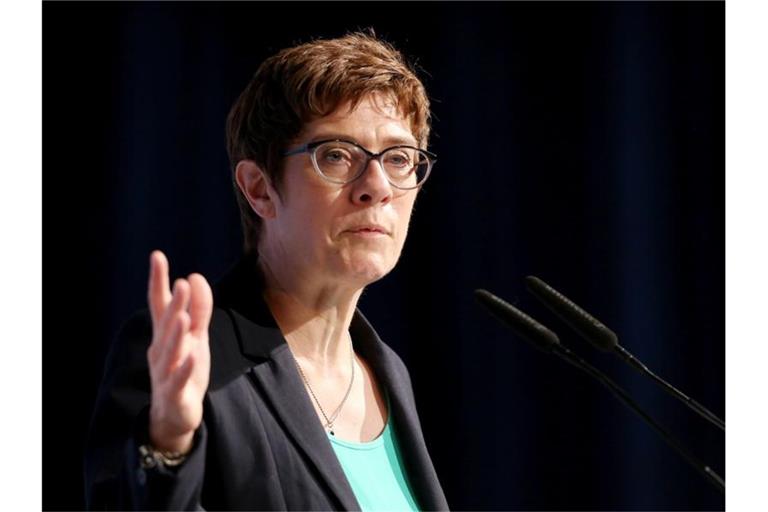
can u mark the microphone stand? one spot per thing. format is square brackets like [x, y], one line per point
[547, 341]
[669, 388]
[595, 332]
[571, 358]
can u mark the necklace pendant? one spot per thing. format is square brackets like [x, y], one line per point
[331, 432]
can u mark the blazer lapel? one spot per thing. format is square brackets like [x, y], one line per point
[282, 385]
[393, 377]
[274, 371]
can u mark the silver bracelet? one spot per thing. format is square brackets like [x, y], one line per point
[151, 457]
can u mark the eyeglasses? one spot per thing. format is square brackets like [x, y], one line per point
[342, 161]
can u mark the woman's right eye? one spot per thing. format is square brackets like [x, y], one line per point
[334, 155]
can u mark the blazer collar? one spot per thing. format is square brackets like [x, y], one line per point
[264, 354]
[260, 341]
[393, 377]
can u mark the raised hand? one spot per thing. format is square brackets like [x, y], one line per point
[179, 356]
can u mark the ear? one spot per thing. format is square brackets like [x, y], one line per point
[256, 188]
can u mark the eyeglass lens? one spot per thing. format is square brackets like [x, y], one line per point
[342, 162]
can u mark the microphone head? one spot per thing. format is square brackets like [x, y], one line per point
[582, 322]
[523, 325]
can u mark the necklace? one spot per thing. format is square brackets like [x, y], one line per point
[328, 421]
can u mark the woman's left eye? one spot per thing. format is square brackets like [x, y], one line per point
[398, 159]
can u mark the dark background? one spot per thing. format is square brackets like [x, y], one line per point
[580, 142]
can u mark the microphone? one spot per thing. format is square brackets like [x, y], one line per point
[547, 341]
[606, 340]
[523, 325]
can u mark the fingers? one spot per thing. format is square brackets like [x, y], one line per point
[170, 328]
[179, 302]
[182, 375]
[158, 292]
[175, 346]
[200, 305]
[180, 319]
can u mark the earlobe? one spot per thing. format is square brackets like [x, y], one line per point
[255, 186]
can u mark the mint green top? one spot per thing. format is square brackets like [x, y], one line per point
[375, 472]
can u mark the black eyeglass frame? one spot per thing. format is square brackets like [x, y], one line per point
[310, 148]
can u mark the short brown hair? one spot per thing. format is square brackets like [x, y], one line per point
[308, 81]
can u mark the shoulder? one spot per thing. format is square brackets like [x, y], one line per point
[381, 356]
[395, 359]
[128, 353]
[136, 331]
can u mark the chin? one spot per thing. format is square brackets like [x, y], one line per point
[368, 269]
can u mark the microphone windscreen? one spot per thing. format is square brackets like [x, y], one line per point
[582, 322]
[522, 324]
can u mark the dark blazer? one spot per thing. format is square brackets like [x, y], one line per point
[260, 446]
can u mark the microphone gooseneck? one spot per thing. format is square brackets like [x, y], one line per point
[544, 339]
[605, 339]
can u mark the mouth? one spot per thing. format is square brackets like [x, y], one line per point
[368, 230]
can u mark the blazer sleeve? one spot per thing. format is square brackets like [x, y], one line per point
[114, 477]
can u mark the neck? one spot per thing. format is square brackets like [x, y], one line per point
[314, 319]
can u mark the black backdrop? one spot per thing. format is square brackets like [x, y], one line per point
[580, 142]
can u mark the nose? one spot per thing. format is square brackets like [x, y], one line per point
[372, 187]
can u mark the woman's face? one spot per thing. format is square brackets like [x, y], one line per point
[352, 233]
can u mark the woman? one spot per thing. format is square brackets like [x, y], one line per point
[272, 391]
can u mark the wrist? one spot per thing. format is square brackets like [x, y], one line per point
[170, 443]
[151, 457]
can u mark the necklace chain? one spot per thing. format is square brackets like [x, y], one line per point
[328, 421]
